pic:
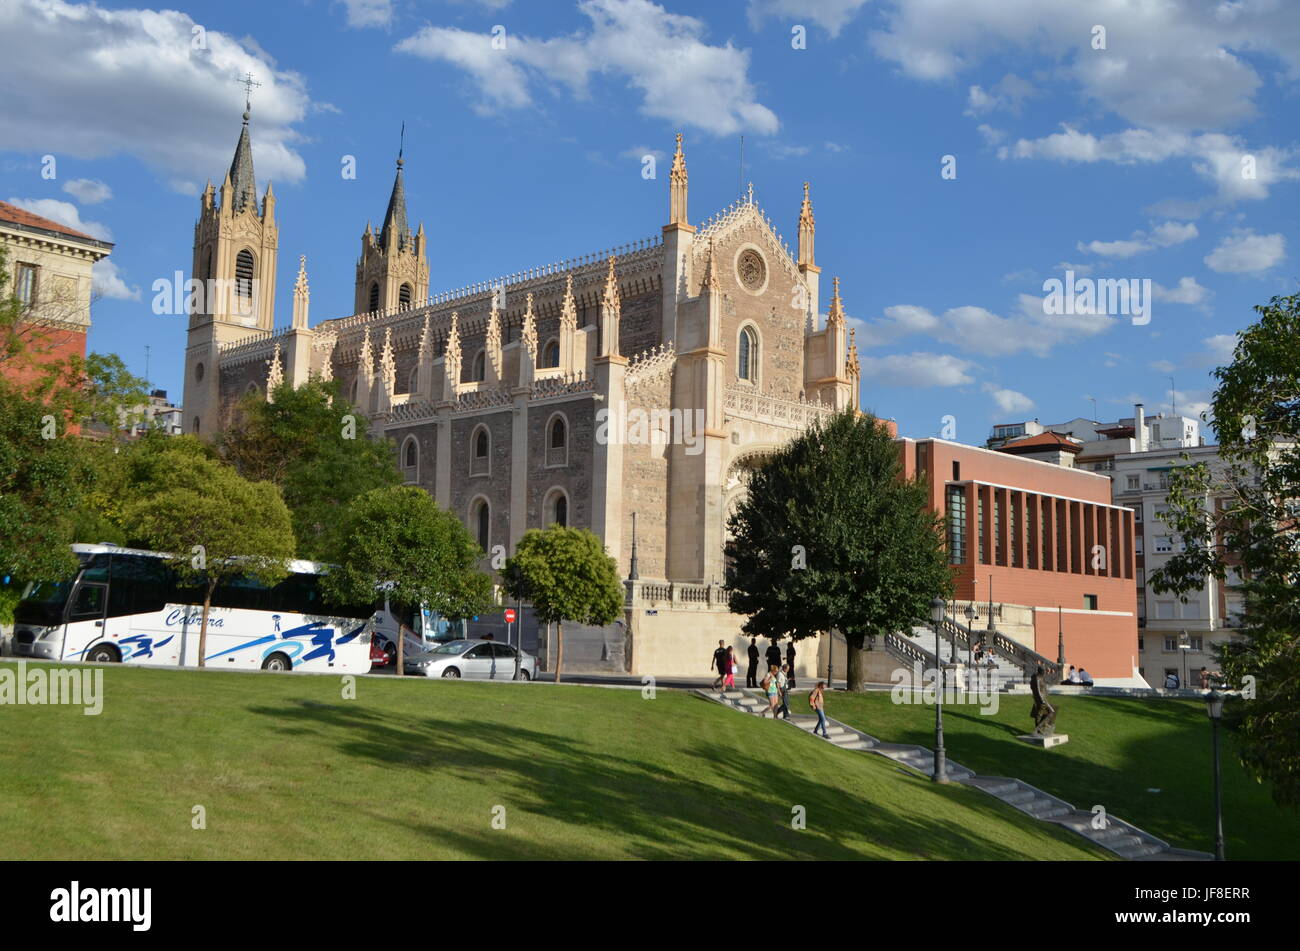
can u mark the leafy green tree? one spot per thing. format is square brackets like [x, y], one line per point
[1244, 513]
[95, 391]
[831, 536]
[313, 444]
[215, 524]
[399, 539]
[42, 476]
[567, 575]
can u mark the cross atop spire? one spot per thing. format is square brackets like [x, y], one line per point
[248, 83]
[395, 223]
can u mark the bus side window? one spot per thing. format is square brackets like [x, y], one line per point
[89, 603]
[96, 569]
[140, 585]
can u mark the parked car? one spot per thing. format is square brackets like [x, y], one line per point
[472, 660]
[378, 656]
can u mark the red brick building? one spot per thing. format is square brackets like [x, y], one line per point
[1048, 541]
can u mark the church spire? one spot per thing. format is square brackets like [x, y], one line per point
[677, 188]
[807, 230]
[395, 225]
[301, 295]
[835, 316]
[243, 183]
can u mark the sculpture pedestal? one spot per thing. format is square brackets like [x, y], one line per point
[1044, 742]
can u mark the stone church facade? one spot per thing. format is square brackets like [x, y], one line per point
[622, 391]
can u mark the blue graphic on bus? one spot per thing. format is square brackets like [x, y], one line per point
[145, 645]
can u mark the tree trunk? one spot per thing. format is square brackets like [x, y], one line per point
[203, 627]
[401, 641]
[559, 649]
[855, 647]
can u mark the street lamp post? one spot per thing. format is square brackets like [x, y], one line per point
[1184, 645]
[940, 761]
[1214, 707]
[970, 636]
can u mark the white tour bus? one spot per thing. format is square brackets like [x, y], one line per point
[125, 605]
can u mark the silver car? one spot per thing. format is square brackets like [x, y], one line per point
[472, 660]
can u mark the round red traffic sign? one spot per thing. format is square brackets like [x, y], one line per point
[510, 615]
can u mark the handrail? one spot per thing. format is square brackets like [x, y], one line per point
[1024, 657]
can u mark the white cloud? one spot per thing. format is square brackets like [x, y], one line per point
[65, 213]
[979, 331]
[917, 369]
[363, 13]
[129, 82]
[1244, 252]
[1220, 348]
[1162, 236]
[1009, 401]
[639, 152]
[830, 15]
[1163, 366]
[106, 280]
[1187, 292]
[1009, 94]
[663, 55]
[88, 192]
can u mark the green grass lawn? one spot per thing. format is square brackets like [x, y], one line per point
[286, 768]
[1119, 750]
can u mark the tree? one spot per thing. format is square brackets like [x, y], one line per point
[313, 444]
[41, 490]
[97, 388]
[831, 536]
[215, 524]
[1243, 514]
[398, 538]
[566, 574]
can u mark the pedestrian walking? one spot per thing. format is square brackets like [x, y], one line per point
[770, 687]
[783, 689]
[730, 680]
[751, 679]
[719, 663]
[817, 700]
[789, 662]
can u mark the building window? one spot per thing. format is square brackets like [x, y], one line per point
[1162, 545]
[557, 442]
[1131, 483]
[25, 284]
[746, 367]
[556, 509]
[979, 520]
[404, 295]
[1171, 642]
[956, 525]
[413, 380]
[1197, 643]
[481, 516]
[244, 267]
[196, 424]
[411, 459]
[1090, 602]
[479, 463]
[998, 557]
[1012, 537]
[198, 373]
[551, 354]
[1141, 643]
[1137, 545]
[480, 367]
[374, 295]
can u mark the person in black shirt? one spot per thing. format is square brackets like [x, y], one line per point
[774, 655]
[719, 663]
[789, 662]
[751, 678]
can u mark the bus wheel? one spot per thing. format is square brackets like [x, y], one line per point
[276, 661]
[103, 654]
[451, 673]
[523, 675]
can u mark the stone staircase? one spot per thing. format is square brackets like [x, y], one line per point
[1003, 676]
[1122, 838]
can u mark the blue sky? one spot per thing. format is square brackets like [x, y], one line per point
[1167, 155]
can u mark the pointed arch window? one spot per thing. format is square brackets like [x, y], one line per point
[480, 367]
[555, 510]
[413, 380]
[374, 295]
[245, 265]
[551, 354]
[480, 452]
[557, 441]
[411, 459]
[481, 522]
[747, 355]
[404, 295]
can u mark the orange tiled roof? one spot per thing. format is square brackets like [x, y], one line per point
[1043, 441]
[12, 214]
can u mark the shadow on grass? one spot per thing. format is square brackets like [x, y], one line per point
[650, 812]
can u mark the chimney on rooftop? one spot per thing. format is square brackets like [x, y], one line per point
[1140, 427]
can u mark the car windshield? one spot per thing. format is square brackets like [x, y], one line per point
[453, 647]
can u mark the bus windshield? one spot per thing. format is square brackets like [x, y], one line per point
[42, 603]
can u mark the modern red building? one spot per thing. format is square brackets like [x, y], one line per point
[1045, 544]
